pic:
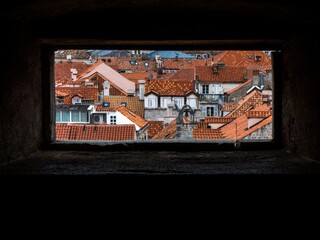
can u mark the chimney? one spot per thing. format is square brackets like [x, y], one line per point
[169, 109]
[261, 78]
[106, 88]
[215, 69]
[141, 89]
[74, 73]
[69, 57]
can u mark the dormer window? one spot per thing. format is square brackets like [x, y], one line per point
[257, 58]
[76, 100]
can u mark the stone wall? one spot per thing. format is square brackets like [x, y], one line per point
[263, 133]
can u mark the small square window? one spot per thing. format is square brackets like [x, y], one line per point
[106, 104]
[124, 104]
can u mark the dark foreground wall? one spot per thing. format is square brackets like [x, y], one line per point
[20, 91]
[21, 96]
[301, 84]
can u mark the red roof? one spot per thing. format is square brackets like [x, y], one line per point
[135, 77]
[223, 75]
[184, 63]
[183, 74]
[135, 118]
[206, 133]
[63, 69]
[169, 87]
[169, 132]
[243, 59]
[86, 93]
[249, 102]
[154, 128]
[95, 132]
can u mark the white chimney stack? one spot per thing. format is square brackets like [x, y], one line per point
[141, 89]
[106, 88]
[74, 73]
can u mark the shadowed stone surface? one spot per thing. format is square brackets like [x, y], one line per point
[161, 163]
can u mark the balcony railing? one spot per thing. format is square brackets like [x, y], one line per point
[210, 98]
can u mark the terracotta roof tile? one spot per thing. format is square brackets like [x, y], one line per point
[184, 63]
[63, 69]
[136, 119]
[123, 63]
[229, 106]
[249, 102]
[134, 103]
[169, 87]
[206, 133]
[241, 59]
[95, 132]
[169, 132]
[184, 74]
[135, 77]
[218, 119]
[154, 128]
[224, 75]
[87, 93]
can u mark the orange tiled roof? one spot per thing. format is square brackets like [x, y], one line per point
[229, 106]
[63, 69]
[136, 119]
[134, 104]
[100, 108]
[95, 132]
[184, 74]
[135, 77]
[154, 128]
[88, 70]
[169, 87]
[123, 63]
[61, 94]
[87, 93]
[240, 125]
[168, 132]
[184, 63]
[241, 59]
[258, 114]
[224, 75]
[218, 119]
[249, 102]
[206, 133]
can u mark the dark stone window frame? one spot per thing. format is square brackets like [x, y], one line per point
[48, 114]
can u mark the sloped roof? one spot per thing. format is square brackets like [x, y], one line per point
[241, 59]
[240, 125]
[169, 132]
[95, 132]
[154, 128]
[63, 69]
[239, 87]
[134, 104]
[206, 133]
[169, 87]
[184, 74]
[136, 119]
[112, 75]
[136, 76]
[224, 75]
[252, 100]
[184, 63]
[87, 93]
